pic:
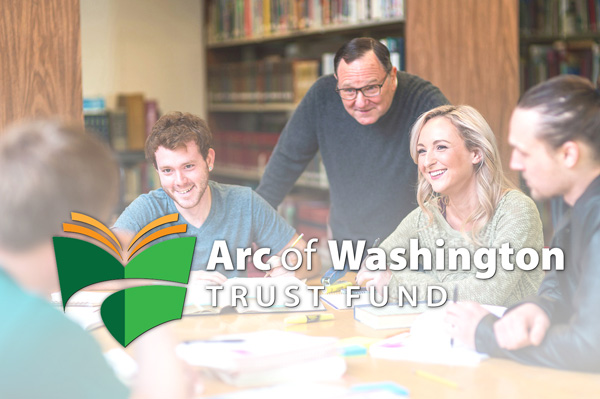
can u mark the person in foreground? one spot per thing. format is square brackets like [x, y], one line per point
[359, 119]
[179, 147]
[465, 200]
[47, 171]
[555, 135]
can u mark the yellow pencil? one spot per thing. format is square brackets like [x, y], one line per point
[297, 239]
[436, 378]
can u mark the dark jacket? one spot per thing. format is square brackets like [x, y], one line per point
[570, 297]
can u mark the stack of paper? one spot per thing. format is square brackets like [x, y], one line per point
[428, 342]
[389, 316]
[83, 307]
[266, 357]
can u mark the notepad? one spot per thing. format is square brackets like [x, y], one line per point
[82, 298]
[428, 342]
[389, 316]
[287, 294]
[266, 357]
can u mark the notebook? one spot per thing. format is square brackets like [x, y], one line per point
[389, 316]
[428, 342]
[262, 295]
[266, 357]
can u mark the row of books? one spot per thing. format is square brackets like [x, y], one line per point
[247, 150]
[126, 127]
[250, 151]
[137, 179]
[268, 80]
[545, 61]
[233, 19]
[275, 79]
[559, 17]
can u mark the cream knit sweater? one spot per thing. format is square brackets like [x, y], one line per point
[516, 221]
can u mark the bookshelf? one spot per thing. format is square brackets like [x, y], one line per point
[262, 58]
[467, 48]
[125, 130]
[559, 37]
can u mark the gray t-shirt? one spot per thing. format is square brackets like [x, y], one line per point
[237, 215]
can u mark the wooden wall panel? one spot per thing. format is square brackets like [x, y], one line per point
[470, 50]
[40, 60]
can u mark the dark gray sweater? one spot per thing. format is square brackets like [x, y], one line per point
[371, 175]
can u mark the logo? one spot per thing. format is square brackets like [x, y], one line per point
[128, 313]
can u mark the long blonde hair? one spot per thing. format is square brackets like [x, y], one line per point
[478, 137]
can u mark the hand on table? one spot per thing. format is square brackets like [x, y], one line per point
[525, 325]
[203, 276]
[277, 269]
[378, 278]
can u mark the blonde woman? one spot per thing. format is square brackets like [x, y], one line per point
[465, 200]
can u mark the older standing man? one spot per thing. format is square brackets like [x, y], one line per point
[360, 120]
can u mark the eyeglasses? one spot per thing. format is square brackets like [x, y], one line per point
[367, 91]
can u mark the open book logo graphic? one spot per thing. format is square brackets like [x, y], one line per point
[131, 312]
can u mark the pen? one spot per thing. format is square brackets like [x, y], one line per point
[215, 341]
[308, 319]
[454, 300]
[436, 378]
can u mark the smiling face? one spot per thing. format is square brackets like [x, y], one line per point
[183, 174]
[362, 72]
[444, 160]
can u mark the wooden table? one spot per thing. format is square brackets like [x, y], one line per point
[493, 378]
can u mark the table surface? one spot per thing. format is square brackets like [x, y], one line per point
[492, 378]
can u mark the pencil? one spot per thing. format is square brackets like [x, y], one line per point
[454, 299]
[437, 378]
[296, 240]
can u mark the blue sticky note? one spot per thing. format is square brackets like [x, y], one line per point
[381, 386]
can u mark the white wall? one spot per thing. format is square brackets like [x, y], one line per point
[155, 47]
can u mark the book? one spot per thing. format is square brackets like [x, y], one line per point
[135, 108]
[266, 357]
[261, 295]
[389, 316]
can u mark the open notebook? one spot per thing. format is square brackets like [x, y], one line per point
[428, 342]
[260, 295]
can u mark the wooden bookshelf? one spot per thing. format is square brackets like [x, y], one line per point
[252, 107]
[307, 180]
[311, 33]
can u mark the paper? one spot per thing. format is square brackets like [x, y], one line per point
[266, 357]
[428, 342]
[87, 317]
[82, 298]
